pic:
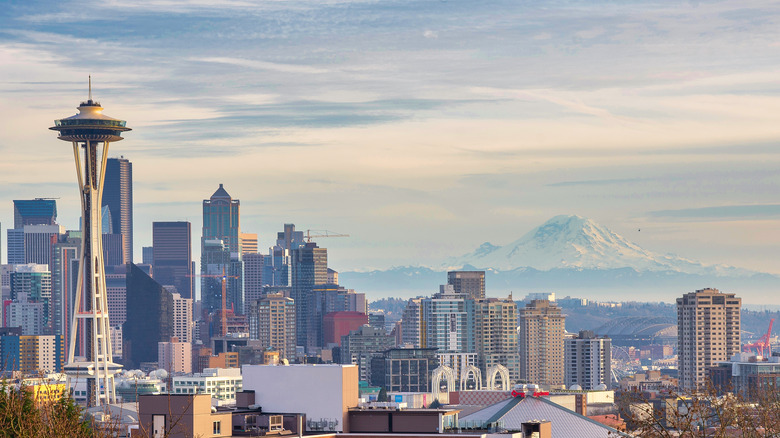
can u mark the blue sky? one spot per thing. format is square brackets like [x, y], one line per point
[420, 128]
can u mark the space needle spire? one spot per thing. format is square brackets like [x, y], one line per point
[90, 132]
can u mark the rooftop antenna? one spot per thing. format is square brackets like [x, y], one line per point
[90, 88]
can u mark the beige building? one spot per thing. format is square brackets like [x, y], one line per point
[175, 356]
[182, 318]
[708, 332]
[541, 343]
[496, 335]
[181, 416]
[273, 324]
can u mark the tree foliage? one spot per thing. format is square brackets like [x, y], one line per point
[22, 417]
[703, 413]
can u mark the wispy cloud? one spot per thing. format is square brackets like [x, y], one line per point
[725, 212]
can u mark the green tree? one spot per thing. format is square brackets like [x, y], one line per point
[382, 397]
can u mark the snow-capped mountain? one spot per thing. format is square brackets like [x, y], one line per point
[575, 242]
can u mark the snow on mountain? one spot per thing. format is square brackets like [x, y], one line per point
[579, 243]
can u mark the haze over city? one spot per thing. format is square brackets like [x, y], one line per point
[422, 129]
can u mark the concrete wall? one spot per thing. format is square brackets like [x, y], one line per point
[320, 391]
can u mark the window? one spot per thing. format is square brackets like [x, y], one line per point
[217, 426]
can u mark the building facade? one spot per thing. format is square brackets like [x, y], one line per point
[172, 255]
[588, 361]
[309, 269]
[471, 283]
[272, 323]
[541, 343]
[118, 197]
[708, 332]
[496, 335]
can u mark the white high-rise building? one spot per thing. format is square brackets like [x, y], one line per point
[182, 318]
[588, 360]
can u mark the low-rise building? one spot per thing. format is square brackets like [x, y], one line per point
[220, 383]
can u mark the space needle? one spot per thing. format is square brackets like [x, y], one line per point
[90, 132]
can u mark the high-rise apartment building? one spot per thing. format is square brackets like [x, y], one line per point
[172, 255]
[588, 361]
[541, 343]
[309, 269]
[118, 196]
[495, 323]
[272, 323]
[708, 332]
[182, 318]
[448, 319]
[471, 283]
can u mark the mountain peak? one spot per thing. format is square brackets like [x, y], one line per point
[571, 241]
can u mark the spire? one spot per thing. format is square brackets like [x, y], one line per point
[90, 88]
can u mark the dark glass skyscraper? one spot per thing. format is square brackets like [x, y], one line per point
[309, 269]
[37, 211]
[118, 196]
[149, 317]
[172, 255]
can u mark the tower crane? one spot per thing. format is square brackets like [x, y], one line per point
[762, 344]
[224, 278]
[322, 233]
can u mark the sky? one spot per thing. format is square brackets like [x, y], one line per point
[420, 128]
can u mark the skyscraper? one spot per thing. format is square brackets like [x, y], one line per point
[254, 265]
[541, 343]
[118, 196]
[708, 332]
[172, 255]
[38, 211]
[471, 283]
[588, 360]
[221, 223]
[309, 269]
[221, 220]
[149, 317]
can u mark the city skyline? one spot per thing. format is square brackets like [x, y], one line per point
[430, 126]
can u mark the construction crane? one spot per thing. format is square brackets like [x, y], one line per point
[322, 233]
[224, 278]
[762, 344]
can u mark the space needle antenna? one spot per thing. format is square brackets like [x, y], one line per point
[90, 87]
